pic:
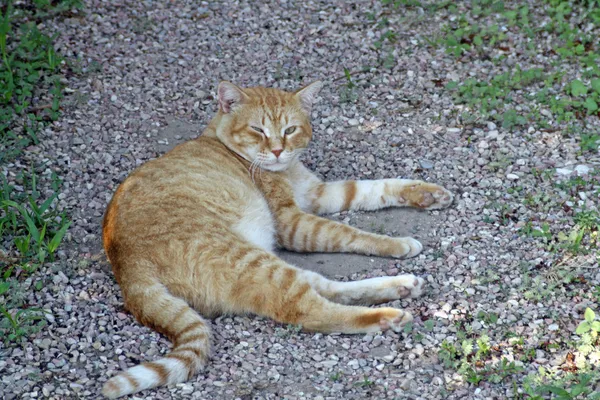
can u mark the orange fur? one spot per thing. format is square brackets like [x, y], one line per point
[193, 231]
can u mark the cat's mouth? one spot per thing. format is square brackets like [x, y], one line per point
[276, 165]
[281, 163]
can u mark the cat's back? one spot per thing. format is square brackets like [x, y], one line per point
[196, 183]
[203, 168]
[206, 160]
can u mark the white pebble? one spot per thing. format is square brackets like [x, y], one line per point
[582, 169]
[564, 171]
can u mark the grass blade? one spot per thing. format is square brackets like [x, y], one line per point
[42, 209]
[33, 230]
[55, 241]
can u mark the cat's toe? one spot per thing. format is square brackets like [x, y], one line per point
[442, 198]
[427, 196]
[414, 247]
[397, 322]
[409, 286]
[405, 247]
[417, 287]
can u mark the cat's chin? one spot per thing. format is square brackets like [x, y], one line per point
[275, 167]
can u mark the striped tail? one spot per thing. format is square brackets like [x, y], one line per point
[156, 307]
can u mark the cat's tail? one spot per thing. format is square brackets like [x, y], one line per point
[155, 307]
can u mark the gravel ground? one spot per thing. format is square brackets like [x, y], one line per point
[145, 65]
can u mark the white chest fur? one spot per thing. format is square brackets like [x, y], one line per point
[303, 181]
[257, 225]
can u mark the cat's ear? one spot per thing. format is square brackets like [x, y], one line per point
[229, 96]
[308, 95]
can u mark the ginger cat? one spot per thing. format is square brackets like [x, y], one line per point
[193, 232]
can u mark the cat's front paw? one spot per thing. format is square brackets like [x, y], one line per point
[427, 196]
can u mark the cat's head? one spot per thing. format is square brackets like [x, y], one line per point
[268, 127]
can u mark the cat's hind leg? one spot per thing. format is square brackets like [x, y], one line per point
[367, 291]
[266, 285]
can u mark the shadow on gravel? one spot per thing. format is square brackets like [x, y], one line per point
[176, 132]
[392, 221]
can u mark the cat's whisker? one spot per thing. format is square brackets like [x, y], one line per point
[294, 153]
[260, 172]
[250, 169]
[259, 162]
[253, 167]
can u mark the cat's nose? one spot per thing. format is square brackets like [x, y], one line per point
[277, 152]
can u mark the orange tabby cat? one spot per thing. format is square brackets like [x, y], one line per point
[193, 232]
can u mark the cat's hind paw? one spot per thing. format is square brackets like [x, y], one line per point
[395, 320]
[401, 287]
[408, 248]
[412, 289]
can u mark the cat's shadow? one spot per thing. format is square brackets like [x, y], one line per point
[390, 221]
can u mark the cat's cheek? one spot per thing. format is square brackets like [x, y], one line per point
[293, 156]
[251, 153]
[301, 142]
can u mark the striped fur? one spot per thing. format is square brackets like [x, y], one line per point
[193, 232]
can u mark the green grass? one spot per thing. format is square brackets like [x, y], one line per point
[290, 330]
[365, 383]
[335, 377]
[546, 97]
[558, 215]
[580, 239]
[348, 93]
[31, 227]
[17, 319]
[577, 386]
[479, 358]
[35, 227]
[472, 358]
[30, 67]
[480, 30]
[577, 233]
[582, 382]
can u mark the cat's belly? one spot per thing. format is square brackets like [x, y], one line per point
[257, 225]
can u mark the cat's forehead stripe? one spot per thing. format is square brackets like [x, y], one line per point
[272, 116]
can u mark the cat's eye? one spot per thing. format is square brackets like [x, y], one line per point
[290, 130]
[257, 129]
